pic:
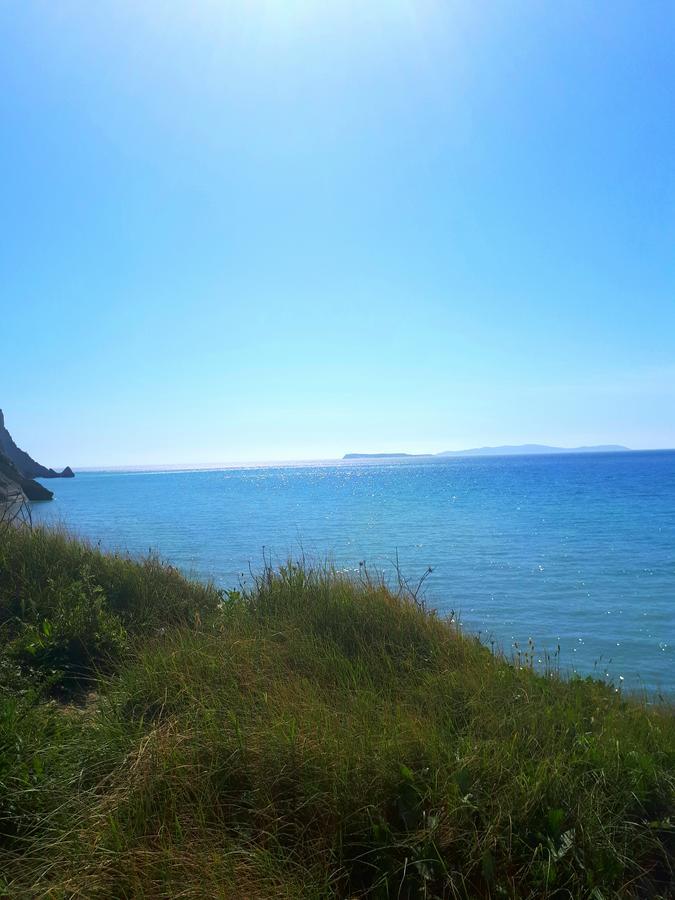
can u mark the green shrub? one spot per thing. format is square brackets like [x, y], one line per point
[314, 737]
[75, 635]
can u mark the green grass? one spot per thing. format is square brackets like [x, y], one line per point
[315, 737]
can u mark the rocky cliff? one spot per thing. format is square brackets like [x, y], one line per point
[18, 471]
[13, 483]
[25, 464]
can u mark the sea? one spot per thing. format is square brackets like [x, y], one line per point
[572, 554]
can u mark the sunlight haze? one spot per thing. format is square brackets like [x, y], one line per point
[291, 230]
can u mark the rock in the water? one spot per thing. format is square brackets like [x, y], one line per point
[15, 483]
[35, 491]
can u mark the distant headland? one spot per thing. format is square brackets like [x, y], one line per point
[506, 450]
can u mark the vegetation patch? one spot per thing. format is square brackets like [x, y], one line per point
[316, 736]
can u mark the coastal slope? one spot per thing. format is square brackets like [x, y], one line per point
[25, 463]
[311, 736]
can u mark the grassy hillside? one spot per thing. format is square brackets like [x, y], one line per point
[315, 737]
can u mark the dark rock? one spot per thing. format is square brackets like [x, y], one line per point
[34, 490]
[12, 476]
[26, 465]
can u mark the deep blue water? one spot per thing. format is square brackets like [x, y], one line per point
[575, 550]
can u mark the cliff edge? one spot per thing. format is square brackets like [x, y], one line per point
[14, 485]
[26, 465]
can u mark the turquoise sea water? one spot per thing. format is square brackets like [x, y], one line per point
[570, 550]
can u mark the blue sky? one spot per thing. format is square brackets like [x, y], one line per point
[292, 229]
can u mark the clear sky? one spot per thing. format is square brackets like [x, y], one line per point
[295, 228]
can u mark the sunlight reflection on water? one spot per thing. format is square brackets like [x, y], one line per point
[573, 550]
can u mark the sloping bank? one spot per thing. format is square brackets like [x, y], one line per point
[314, 737]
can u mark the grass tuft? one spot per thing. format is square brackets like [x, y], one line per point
[316, 736]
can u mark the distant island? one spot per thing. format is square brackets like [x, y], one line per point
[506, 450]
[381, 455]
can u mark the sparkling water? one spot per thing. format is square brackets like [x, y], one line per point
[571, 551]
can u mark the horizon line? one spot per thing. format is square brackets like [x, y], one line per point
[297, 462]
